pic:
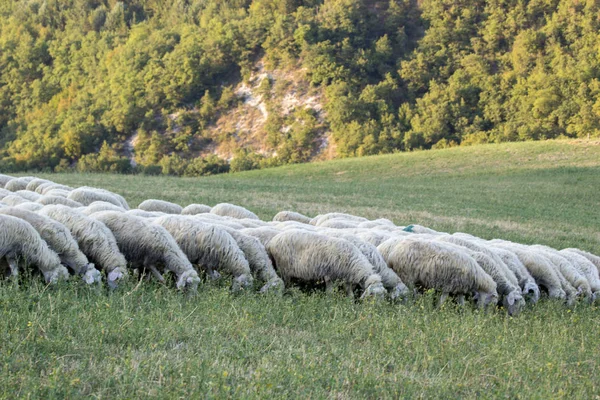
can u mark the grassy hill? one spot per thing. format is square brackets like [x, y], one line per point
[148, 340]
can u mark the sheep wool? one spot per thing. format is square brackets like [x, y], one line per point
[33, 184]
[53, 200]
[264, 233]
[160, 206]
[291, 216]
[14, 200]
[209, 246]
[147, 245]
[594, 259]
[313, 257]
[20, 241]
[46, 187]
[95, 240]
[231, 210]
[526, 281]
[321, 218]
[97, 206]
[438, 265]
[194, 209]
[586, 267]
[4, 179]
[18, 183]
[28, 195]
[30, 206]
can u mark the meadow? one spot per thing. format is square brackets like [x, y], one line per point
[148, 340]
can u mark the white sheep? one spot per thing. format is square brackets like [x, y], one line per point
[209, 246]
[59, 239]
[4, 179]
[58, 192]
[4, 193]
[194, 209]
[20, 242]
[14, 200]
[46, 187]
[313, 257]
[54, 200]
[29, 206]
[291, 216]
[146, 214]
[586, 267]
[33, 184]
[101, 206]
[538, 266]
[166, 207]
[87, 196]
[376, 223]
[526, 281]
[437, 265]
[231, 210]
[263, 233]
[321, 218]
[28, 195]
[414, 228]
[95, 240]
[210, 218]
[293, 225]
[18, 183]
[146, 245]
[374, 236]
[594, 259]
[338, 223]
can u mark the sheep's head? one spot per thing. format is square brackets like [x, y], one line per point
[92, 275]
[557, 293]
[400, 291]
[513, 302]
[532, 292]
[114, 276]
[214, 275]
[484, 299]
[375, 290]
[273, 286]
[56, 275]
[188, 281]
[242, 282]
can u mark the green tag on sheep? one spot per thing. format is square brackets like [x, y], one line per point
[409, 228]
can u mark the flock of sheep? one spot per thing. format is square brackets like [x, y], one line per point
[62, 231]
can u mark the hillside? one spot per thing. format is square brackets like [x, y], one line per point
[534, 192]
[199, 87]
[148, 340]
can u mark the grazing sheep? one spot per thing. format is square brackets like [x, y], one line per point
[194, 209]
[231, 210]
[263, 233]
[4, 193]
[376, 223]
[438, 265]
[538, 266]
[586, 267]
[594, 259]
[160, 206]
[291, 216]
[258, 259]
[28, 195]
[338, 223]
[97, 206]
[313, 257]
[4, 179]
[19, 241]
[18, 183]
[60, 240]
[209, 246]
[122, 202]
[46, 187]
[14, 200]
[146, 214]
[33, 185]
[58, 192]
[209, 218]
[389, 278]
[526, 281]
[53, 200]
[95, 240]
[321, 218]
[575, 278]
[375, 237]
[414, 228]
[87, 196]
[294, 225]
[147, 245]
[29, 206]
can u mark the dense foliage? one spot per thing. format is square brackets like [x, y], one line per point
[80, 78]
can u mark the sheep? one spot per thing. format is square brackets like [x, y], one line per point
[46, 187]
[4, 179]
[586, 267]
[4, 193]
[538, 266]
[32, 185]
[19, 241]
[438, 265]
[575, 278]
[122, 202]
[376, 223]
[209, 246]
[18, 183]
[146, 245]
[375, 237]
[291, 216]
[258, 259]
[52, 200]
[95, 240]
[208, 218]
[263, 233]
[101, 206]
[87, 196]
[313, 257]
[414, 228]
[526, 281]
[389, 278]
[594, 259]
[60, 240]
[194, 209]
[165, 207]
[294, 225]
[146, 214]
[321, 218]
[14, 199]
[338, 223]
[58, 192]
[231, 210]
[28, 195]
[29, 206]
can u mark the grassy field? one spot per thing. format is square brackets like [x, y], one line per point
[148, 340]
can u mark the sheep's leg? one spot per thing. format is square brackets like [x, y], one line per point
[443, 298]
[328, 285]
[349, 289]
[460, 300]
[212, 274]
[156, 274]
[13, 264]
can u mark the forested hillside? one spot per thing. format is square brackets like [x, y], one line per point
[161, 86]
